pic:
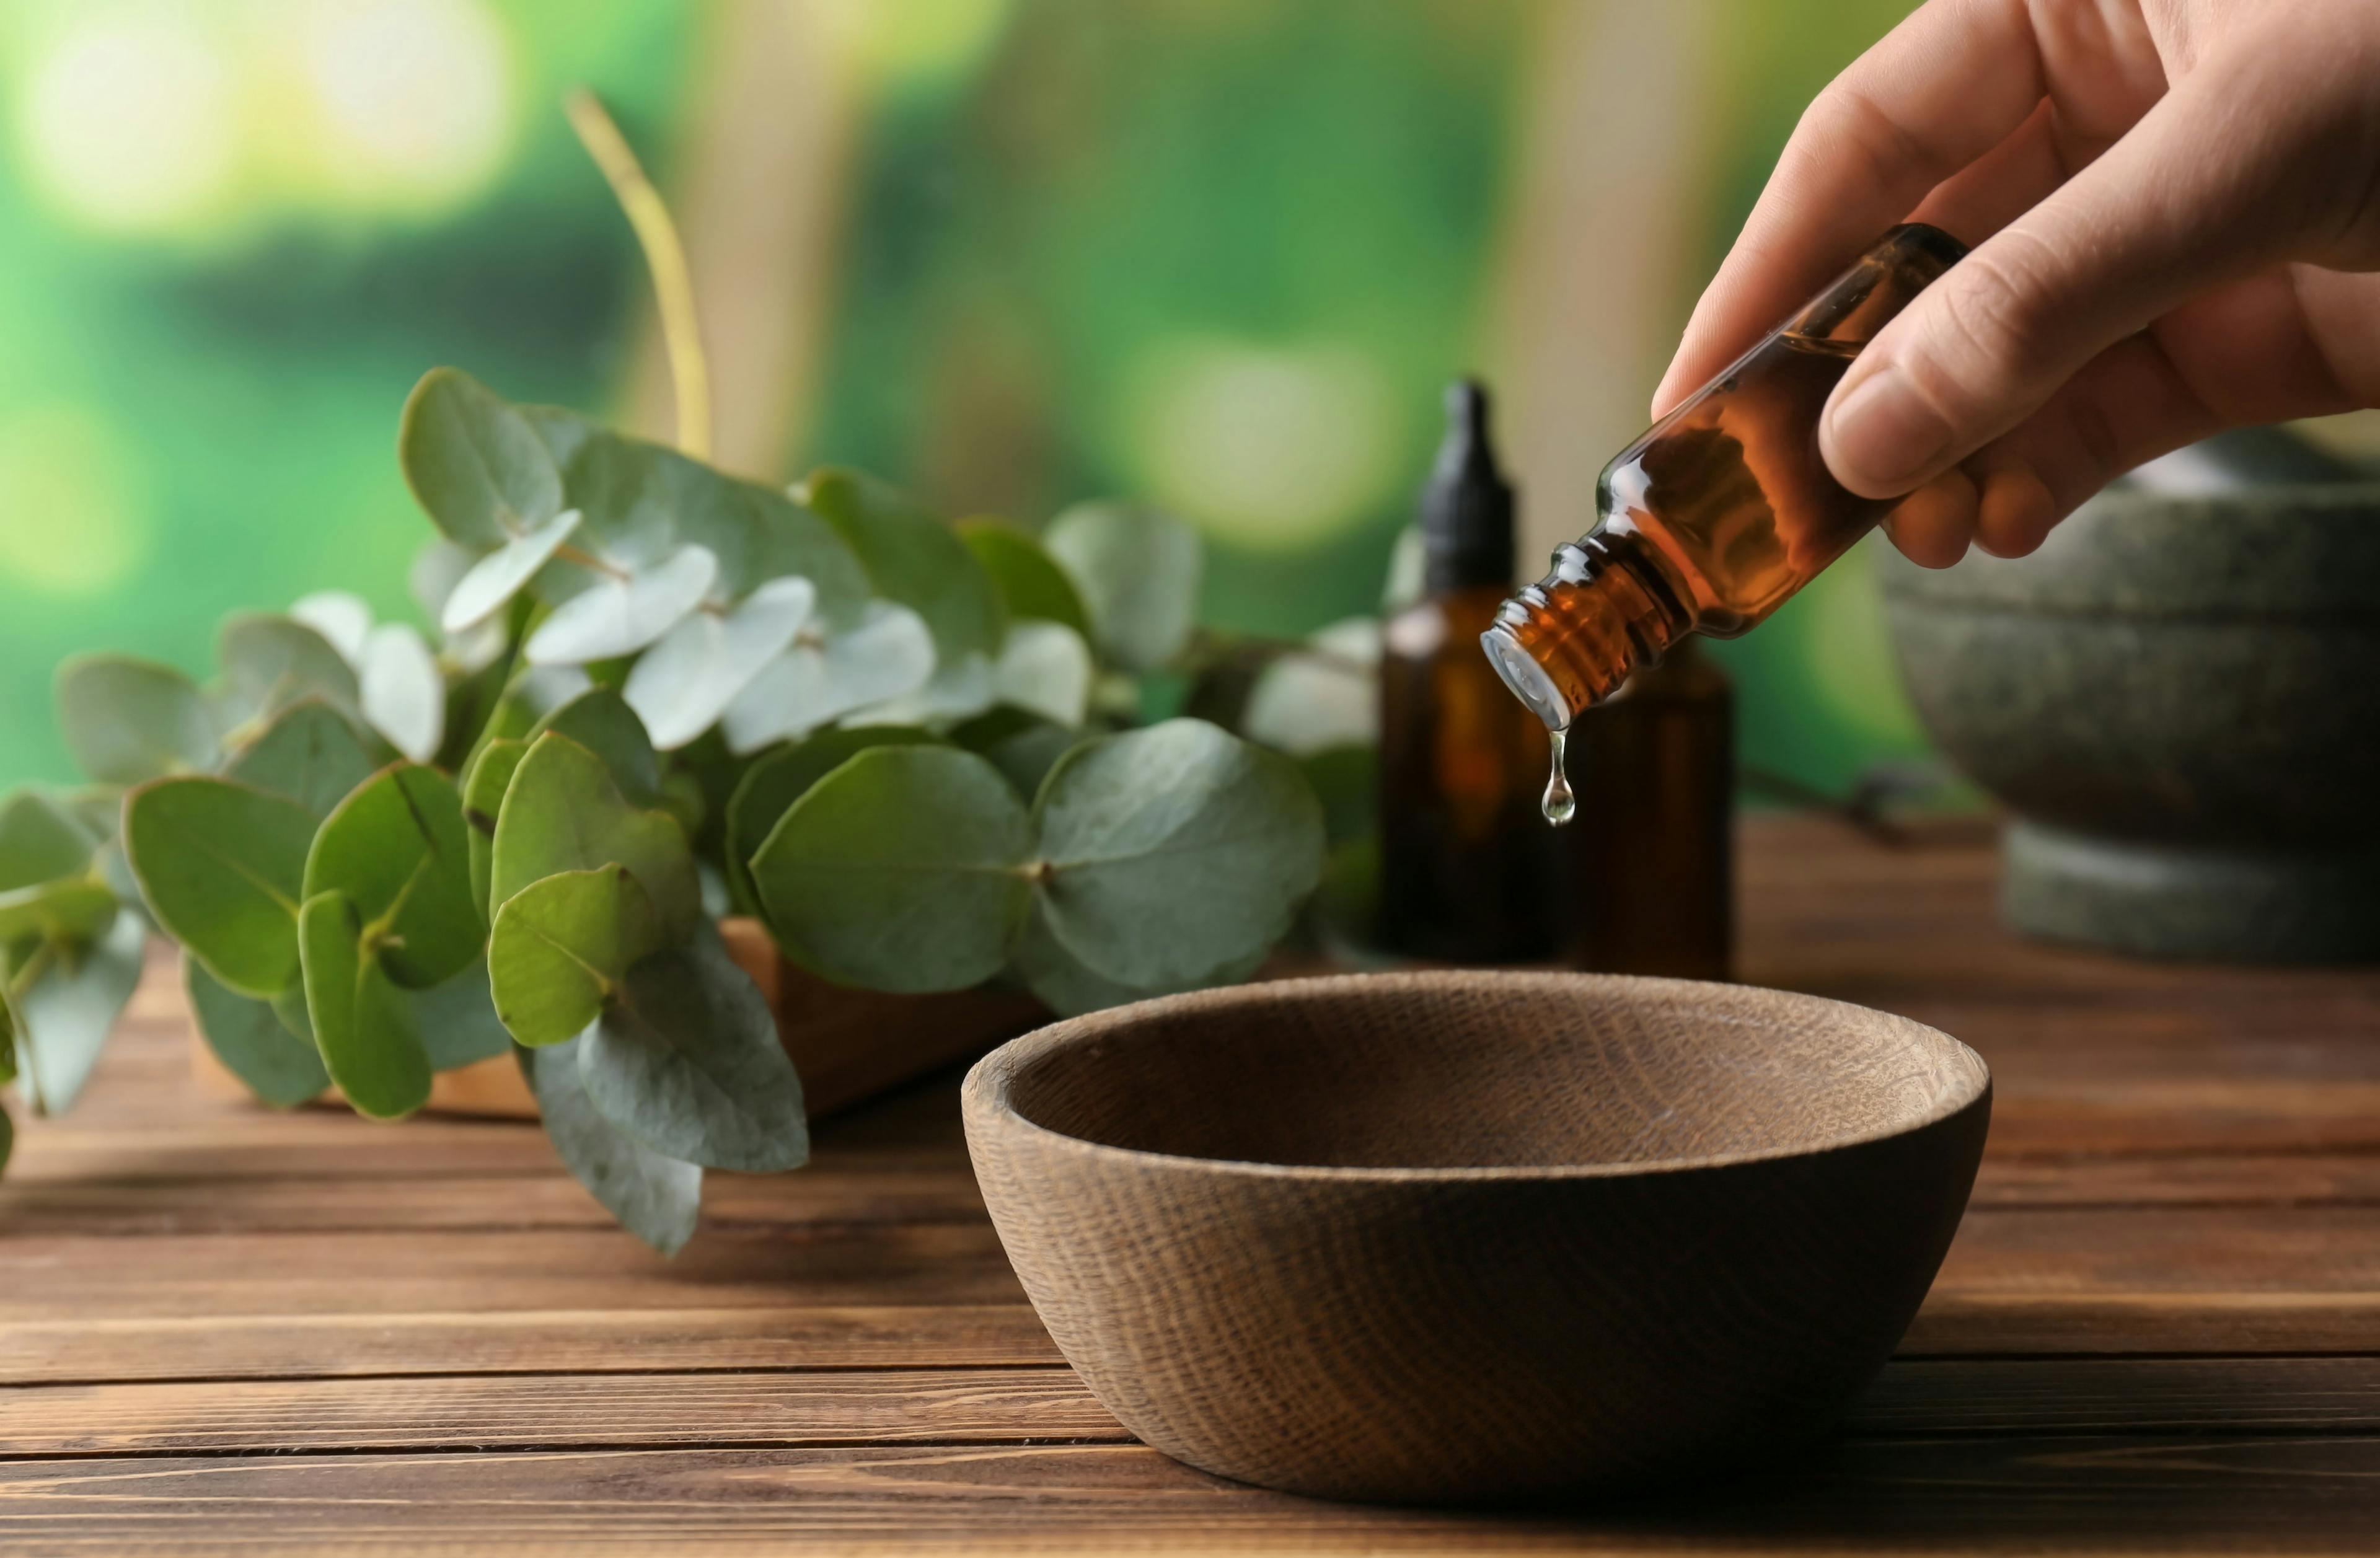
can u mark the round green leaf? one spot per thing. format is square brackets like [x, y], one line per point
[903, 870]
[620, 614]
[561, 812]
[1030, 584]
[888, 655]
[457, 1020]
[656, 1199]
[222, 866]
[72, 1004]
[1044, 669]
[342, 616]
[1174, 851]
[1024, 746]
[1069, 987]
[474, 462]
[311, 754]
[495, 578]
[279, 1067]
[760, 534]
[270, 662]
[129, 720]
[403, 696]
[782, 778]
[1138, 573]
[686, 1060]
[41, 841]
[561, 946]
[600, 720]
[397, 849]
[483, 798]
[913, 557]
[630, 492]
[361, 1021]
[681, 686]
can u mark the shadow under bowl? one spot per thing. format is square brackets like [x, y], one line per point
[1469, 1237]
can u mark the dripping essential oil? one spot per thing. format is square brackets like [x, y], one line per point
[1717, 514]
[1466, 870]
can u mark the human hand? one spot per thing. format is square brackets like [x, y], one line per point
[2172, 205]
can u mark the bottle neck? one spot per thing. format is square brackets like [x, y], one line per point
[1570, 640]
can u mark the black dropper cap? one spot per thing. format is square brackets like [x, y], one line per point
[1466, 508]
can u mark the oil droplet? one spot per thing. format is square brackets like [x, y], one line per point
[1560, 805]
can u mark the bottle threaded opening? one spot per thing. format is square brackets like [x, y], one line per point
[1573, 639]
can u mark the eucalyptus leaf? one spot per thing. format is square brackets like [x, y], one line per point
[474, 462]
[903, 870]
[398, 851]
[562, 946]
[681, 686]
[1173, 851]
[483, 799]
[914, 559]
[129, 720]
[1024, 746]
[1031, 585]
[309, 754]
[495, 578]
[600, 720]
[686, 1060]
[1070, 987]
[288, 1009]
[1306, 702]
[69, 909]
[957, 690]
[404, 697]
[270, 662]
[630, 492]
[655, 1197]
[563, 814]
[760, 534]
[361, 1021]
[280, 1068]
[222, 866]
[41, 841]
[341, 616]
[620, 614]
[71, 1006]
[1045, 668]
[562, 431]
[1139, 572]
[813, 683]
[774, 782]
[457, 1020]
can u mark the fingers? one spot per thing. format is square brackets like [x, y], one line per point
[1939, 90]
[2177, 206]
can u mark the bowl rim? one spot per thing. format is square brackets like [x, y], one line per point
[986, 1097]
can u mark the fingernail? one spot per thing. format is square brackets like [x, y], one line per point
[1884, 435]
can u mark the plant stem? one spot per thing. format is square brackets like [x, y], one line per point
[664, 257]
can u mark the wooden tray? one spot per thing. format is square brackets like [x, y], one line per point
[848, 1044]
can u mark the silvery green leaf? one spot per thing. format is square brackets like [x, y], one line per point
[1305, 703]
[681, 686]
[222, 866]
[913, 557]
[1173, 851]
[281, 1068]
[72, 1004]
[562, 431]
[270, 662]
[504, 573]
[815, 683]
[758, 534]
[1023, 747]
[457, 1020]
[398, 851]
[686, 1058]
[655, 1197]
[437, 568]
[620, 615]
[903, 870]
[308, 754]
[563, 812]
[1069, 987]
[1137, 570]
[361, 1021]
[630, 491]
[474, 464]
[771, 786]
[127, 720]
[341, 618]
[404, 697]
[1045, 668]
[955, 691]
[600, 721]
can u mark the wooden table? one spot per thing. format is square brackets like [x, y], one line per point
[223, 1329]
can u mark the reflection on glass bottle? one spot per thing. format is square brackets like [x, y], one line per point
[1466, 869]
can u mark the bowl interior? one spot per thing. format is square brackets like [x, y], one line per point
[1462, 1070]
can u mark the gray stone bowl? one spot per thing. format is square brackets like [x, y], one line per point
[2179, 700]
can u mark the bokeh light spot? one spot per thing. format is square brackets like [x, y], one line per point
[127, 121]
[415, 95]
[1267, 447]
[72, 521]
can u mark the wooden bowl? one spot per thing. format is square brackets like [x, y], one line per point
[1434, 1237]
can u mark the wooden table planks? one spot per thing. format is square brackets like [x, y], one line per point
[222, 1328]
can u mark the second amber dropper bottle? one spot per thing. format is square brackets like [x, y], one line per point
[1715, 517]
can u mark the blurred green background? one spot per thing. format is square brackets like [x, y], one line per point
[1220, 254]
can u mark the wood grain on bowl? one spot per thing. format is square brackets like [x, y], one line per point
[1467, 1236]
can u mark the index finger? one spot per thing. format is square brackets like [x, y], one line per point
[1949, 84]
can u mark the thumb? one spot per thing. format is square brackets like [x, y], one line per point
[2178, 204]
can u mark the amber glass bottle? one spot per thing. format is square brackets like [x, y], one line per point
[1651, 890]
[1714, 517]
[1466, 870]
